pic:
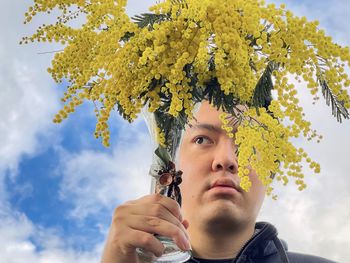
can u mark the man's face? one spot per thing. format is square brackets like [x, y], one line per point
[210, 187]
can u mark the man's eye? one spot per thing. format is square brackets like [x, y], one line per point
[202, 140]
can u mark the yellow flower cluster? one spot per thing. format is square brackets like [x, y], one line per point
[226, 125]
[264, 146]
[117, 64]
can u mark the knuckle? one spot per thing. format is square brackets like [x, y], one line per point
[174, 231]
[179, 224]
[175, 206]
[177, 214]
[116, 239]
[119, 213]
[119, 240]
[153, 221]
[119, 209]
[157, 210]
[130, 202]
[124, 248]
[157, 197]
[146, 239]
[175, 203]
[178, 208]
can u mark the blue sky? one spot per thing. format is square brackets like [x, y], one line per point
[59, 186]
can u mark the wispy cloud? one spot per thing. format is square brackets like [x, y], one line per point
[315, 221]
[27, 97]
[331, 14]
[27, 108]
[93, 181]
[18, 240]
[28, 101]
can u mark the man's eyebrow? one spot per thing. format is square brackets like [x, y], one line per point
[207, 126]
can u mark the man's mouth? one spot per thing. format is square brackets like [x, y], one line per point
[225, 186]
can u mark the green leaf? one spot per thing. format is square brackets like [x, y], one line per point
[262, 94]
[216, 96]
[170, 126]
[338, 109]
[149, 19]
[122, 113]
[163, 155]
[127, 36]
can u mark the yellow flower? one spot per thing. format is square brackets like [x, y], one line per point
[113, 62]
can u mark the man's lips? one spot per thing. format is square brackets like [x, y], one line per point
[225, 184]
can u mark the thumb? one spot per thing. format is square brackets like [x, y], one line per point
[185, 223]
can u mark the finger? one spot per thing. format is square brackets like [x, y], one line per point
[130, 202]
[123, 213]
[157, 211]
[167, 202]
[155, 225]
[146, 241]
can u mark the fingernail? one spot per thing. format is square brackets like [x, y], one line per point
[188, 246]
[185, 244]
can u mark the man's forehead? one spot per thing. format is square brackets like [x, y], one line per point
[208, 118]
[210, 113]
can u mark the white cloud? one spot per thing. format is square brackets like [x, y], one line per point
[28, 101]
[315, 221]
[331, 14]
[16, 243]
[27, 97]
[97, 180]
[27, 108]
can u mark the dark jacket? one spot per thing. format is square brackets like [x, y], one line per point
[266, 247]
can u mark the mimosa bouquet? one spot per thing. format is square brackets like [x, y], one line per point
[229, 52]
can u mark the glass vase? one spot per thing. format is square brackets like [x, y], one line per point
[165, 181]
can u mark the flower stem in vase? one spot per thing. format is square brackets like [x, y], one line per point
[165, 180]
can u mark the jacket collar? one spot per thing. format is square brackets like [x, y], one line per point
[264, 243]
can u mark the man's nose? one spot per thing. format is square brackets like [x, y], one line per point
[225, 157]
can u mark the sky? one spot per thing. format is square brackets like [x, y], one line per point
[59, 186]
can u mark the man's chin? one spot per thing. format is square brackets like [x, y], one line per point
[224, 217]
[224, 205]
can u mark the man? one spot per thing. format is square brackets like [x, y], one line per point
[217, 219]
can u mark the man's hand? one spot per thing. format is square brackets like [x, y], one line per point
[135, 223]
